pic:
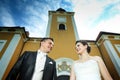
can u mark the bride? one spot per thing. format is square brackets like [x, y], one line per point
[88, 67]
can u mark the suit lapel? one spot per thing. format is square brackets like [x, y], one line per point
[46, 63]
[46, 68]
[33, 59]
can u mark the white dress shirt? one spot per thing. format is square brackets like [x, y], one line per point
[39, 65]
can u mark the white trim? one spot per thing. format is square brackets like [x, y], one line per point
[117, 47]
[75, 28]
[61, 19]
[63, 68]
[49, 26]
[8, 54]
[113, 55]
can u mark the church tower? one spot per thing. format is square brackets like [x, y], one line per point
[61, 27]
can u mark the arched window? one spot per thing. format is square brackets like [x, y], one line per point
[61, 27]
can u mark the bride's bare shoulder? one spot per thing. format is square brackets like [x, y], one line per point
[96, 58]
[76, 61]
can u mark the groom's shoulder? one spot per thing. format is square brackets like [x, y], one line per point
[26, 53]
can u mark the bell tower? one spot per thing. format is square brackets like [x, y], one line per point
[61, 27]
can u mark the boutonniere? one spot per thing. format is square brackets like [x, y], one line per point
[50, 62]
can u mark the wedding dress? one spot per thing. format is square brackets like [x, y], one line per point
[88, 70]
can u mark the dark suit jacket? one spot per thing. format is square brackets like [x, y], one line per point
[25, 67]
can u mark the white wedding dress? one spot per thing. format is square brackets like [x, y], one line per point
[88, 70]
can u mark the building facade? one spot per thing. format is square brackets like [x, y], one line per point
[61, 26]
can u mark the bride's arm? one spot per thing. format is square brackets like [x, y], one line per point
[72, 74]
[103, 69]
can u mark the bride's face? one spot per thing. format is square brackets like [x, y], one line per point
[80, 48]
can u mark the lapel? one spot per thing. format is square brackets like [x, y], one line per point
[47, 67]
[48, 62]
[30, 65]
[34, 56]
[33, 60]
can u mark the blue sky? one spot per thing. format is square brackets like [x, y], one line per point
[91, 16]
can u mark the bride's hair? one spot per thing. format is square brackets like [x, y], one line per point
[84, 43]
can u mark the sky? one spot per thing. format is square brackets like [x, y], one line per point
[91, 16]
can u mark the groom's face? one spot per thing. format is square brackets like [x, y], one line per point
[47, 45]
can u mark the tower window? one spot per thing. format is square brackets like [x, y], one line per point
[61, 27]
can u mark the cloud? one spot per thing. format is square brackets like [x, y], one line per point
[91, 16]
[109, 11]
[6, 17]
[111, 25]
[37, 19]
[38, 16]
[94, 16]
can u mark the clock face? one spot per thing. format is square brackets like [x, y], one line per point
[61, 19]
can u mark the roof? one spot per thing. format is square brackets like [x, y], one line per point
[105, 33]
[60, 9]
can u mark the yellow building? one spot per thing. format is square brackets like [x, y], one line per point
[61, 26]
[109, 47]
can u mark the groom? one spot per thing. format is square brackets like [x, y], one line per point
[35, 65]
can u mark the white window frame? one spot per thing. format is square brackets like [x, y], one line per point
[117, 47]
[2, 44]
[61, 19]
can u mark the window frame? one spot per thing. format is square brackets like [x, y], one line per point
[2, 44]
